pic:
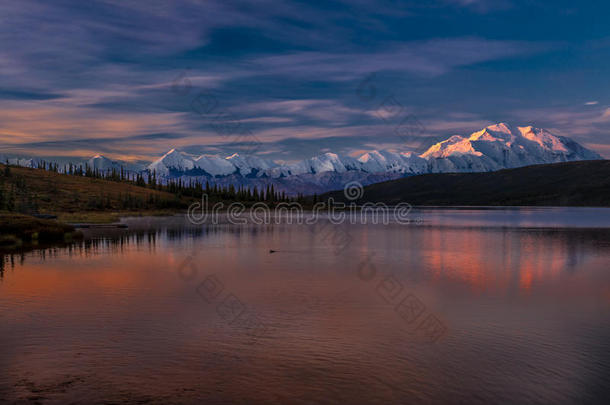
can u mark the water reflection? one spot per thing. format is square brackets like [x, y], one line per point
[484, 258]
[527, 311]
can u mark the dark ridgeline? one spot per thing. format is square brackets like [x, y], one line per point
[585, 183]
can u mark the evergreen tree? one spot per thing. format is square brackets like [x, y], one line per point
[10, 202]
[2, 197]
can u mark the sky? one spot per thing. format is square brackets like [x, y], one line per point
[289, 80]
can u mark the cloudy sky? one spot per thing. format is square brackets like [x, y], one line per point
[132, 79]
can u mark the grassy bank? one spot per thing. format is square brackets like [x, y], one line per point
[105, 217]
[18, 229]
[81, 199]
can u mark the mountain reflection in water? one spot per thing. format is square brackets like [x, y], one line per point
[112, 319]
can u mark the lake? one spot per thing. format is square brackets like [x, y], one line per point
[468, 306]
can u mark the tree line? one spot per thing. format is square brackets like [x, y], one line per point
[16, 197]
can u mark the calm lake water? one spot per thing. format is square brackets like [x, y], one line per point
[469, 306]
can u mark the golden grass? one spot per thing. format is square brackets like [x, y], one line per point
[18, 227]
[77, 198]
[103, 217]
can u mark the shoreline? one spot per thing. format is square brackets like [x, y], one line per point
[17, 230]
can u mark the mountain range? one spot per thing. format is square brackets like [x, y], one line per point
[493, 148]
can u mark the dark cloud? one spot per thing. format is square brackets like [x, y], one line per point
[9, 94]
[98, 75]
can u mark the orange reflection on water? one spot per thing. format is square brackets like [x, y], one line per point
[493, 260]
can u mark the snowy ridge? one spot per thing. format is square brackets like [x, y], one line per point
[250, 165]
[501, 147]
[102, 163]
[492, 148]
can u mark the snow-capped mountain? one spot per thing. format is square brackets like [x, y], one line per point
[214, 165]
[500, 147]
[178, 163]
[22, 162]
[385, 161]
[102, 163]
[172, 161]
[492, 148]
[327, 162]
[250, 165]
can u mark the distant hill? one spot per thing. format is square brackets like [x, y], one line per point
[584, 183]
[35, 190]
[90, 197]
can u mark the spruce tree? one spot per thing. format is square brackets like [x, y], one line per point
[10, 203]
[2, 202]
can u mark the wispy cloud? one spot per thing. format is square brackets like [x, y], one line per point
[588, 126]
[482, 6]
[430, 57]
[97, 76]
